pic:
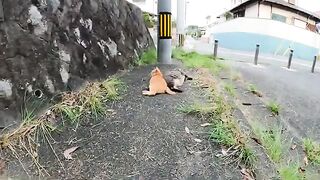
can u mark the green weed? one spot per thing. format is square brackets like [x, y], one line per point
[253, 89]
[273, 142]
[248, 156]
[229, 88]
[148, 57]
[222, 133]
[28, 116]
[197, 109]
[196, 60]
[290, 172]
[113, 87]
[274, 108]
[222, 109]
[312, 150]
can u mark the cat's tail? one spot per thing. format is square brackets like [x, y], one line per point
[148, 93]
[168, 90]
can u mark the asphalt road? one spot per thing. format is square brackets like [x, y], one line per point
[296, 89]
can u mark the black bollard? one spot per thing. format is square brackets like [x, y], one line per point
[215, 51]
[256, 55]
[290, 58]
[314, 64]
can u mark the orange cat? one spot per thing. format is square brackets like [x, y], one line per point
[157, 84]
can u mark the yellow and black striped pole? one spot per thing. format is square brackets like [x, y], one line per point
[164, 31]
[165, 25]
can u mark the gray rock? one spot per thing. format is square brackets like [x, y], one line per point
[54, 45]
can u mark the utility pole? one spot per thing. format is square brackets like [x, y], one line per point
[164, 32]
[181, 21]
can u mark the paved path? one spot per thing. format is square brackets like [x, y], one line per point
[144, 139]
[297, 90]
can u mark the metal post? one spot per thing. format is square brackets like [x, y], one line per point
[164, 32]
[215, 51]
[314, 64]
[290, 58]
[256, 55]
[181, 21]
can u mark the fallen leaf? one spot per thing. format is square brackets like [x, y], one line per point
[293, 147]
[198, 140]
[205, 125]
[224, 152]
[187, 130]
[257, 140]
[247, 174]
[218, 155]
[306, 161]
[302, 170]
[2, 167]
[67, 153]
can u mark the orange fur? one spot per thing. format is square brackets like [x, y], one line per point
[157, 84]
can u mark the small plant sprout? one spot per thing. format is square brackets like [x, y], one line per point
[229, 88]
[274, 108]
[253, 89]
[312, 150]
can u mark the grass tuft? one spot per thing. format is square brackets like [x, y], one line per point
[290, 172]
[253, 89]
[274, 108]
[273, 142]
[248, 156]
[223, 133]
[113, 87]
[224, 129]
[229, 88]
[88, 102]
[222, 109]
[196, 60]
[147, 57]
[197, 109]
[312, 150]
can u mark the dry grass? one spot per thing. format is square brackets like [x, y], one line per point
[224, 129]
[89, 102]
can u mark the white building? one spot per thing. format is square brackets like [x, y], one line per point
[276, 25]
[146, 5]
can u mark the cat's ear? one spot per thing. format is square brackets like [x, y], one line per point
[157, 69]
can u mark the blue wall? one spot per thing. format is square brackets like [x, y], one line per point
[268, 44]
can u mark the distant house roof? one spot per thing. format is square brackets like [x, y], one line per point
[283, 4]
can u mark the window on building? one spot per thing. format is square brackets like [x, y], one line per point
[279, 17]
[240, 13]
[300, 23]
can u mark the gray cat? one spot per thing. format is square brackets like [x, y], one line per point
[176, 78]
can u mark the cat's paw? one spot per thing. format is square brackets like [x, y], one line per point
[145, 92]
